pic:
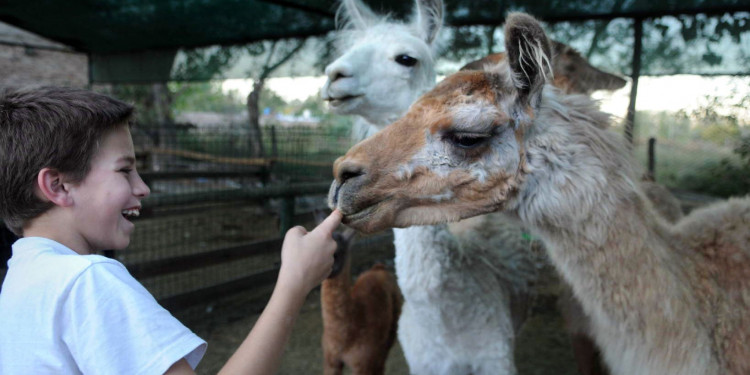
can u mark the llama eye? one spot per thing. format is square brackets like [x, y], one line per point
[406, 60]
[466, 140]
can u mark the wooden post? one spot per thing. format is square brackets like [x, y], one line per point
[636, 67]
[651, 159]
[274, 145]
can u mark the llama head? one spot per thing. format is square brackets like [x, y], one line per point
[384, 64]
[458, 152]
[573, 73]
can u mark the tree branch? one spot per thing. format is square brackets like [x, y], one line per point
[267, 70]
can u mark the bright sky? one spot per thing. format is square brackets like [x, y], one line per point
[289, 89]
[670, 93]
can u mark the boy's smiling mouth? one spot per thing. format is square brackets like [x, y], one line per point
[131, 212]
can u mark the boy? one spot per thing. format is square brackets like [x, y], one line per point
[68, 185]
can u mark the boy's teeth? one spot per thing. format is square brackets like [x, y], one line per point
[135, 213]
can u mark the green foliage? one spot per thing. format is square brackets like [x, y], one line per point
[269, 99]
[204, 97]
[151, 101]
[469, 43]
[702, 150]
[728, 177]
[204, 63]
[663, 125]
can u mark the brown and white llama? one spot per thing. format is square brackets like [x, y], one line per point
[663, 299]
[360, 319]
[574, 75]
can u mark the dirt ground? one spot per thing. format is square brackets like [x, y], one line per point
[542, 347]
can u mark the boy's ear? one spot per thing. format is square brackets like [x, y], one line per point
[50, 184]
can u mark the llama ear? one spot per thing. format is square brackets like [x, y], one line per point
[354, 14]
[529, 55]
[428, 18]
[582, 77]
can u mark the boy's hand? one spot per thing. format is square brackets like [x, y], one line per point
[307, 258]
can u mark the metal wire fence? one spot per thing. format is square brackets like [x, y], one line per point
[213, 222]
[215, 197]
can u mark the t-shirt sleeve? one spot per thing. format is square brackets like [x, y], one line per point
[112, 325]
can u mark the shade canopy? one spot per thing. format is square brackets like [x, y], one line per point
[140, 38]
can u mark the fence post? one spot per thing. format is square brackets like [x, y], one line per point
[274, 144]
[287, 214]
[652, 159]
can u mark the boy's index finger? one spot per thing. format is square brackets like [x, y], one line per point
[330, 223]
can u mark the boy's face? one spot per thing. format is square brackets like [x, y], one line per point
[109, 194]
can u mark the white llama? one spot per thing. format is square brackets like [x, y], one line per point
[384, 65]
[663, 298]
[456, 317]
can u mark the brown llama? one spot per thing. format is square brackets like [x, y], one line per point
[663, 298]
[573, 73]
[360, 319]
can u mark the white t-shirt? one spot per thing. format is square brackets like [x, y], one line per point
[65, 313]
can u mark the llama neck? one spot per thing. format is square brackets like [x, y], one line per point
[422, 253]
[335, 294]
[363, 129]
[582, 197]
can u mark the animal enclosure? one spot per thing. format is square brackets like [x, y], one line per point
[207, 242]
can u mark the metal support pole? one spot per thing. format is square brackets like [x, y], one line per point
[636, 72]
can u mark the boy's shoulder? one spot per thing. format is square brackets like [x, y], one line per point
[47, 258]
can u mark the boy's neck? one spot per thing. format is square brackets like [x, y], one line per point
[47, 225]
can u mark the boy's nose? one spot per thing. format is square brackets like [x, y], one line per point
[141, 189]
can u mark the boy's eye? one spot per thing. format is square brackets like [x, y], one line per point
[126, 170]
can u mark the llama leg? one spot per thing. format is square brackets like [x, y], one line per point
[371, 365]
[494, 366]
[332, 365]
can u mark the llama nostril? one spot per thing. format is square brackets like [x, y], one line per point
[339, 75]
[347, 172]
[349, 175]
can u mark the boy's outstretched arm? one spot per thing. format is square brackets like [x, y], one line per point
[306, 260]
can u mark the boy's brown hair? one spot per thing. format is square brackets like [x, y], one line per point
[49, 127]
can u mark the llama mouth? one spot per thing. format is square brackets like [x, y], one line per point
[334, 102]
[359, 215]
[361, 219]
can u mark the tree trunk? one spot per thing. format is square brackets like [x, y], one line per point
[253, 111]
[161, 101]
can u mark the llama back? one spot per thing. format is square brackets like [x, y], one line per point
[719, 237]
